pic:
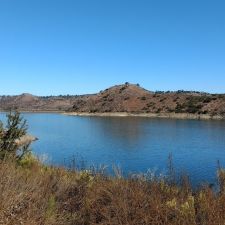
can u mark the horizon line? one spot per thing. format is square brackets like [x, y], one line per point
[126, 83]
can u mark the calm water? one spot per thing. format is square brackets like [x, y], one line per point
[134, 144]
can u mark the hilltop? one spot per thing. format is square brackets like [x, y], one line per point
[126, 98]
[131, 98]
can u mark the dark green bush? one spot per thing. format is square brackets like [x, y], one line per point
[15, 128]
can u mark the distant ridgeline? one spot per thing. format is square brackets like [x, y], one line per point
[130, 98]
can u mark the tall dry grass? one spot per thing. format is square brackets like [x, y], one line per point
[33, 194]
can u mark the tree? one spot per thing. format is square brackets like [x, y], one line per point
[15, 128]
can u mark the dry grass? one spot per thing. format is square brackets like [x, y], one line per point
[33, 194]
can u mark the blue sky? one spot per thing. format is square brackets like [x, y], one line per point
[83, 46]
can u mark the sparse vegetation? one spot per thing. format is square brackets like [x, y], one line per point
[193, 104]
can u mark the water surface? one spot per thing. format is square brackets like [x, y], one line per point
[135, 144]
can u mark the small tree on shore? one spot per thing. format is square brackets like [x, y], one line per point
[15, 128]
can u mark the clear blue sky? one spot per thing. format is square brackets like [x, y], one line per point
[83, 46]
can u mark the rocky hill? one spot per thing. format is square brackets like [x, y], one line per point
[127, 97]
[134, 99]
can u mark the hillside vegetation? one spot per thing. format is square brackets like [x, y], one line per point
[128, 98]
[134, 99]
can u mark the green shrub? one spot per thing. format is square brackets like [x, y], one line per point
[15, 128]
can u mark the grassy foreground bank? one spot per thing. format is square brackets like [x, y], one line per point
[33, 194]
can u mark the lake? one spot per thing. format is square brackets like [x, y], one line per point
[132, 143]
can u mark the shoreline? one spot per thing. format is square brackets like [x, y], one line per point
[125, 114]
[149, 115]
[33, 111]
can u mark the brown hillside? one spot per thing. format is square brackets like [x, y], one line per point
[28, 102]
[134, 99]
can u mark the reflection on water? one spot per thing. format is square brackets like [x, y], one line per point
[121, 129]
[135, 144]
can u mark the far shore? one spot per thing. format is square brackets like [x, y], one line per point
[34, 111]
[125, 114]
[150, 115]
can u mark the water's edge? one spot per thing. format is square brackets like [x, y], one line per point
[150, 115]
[125, 114]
